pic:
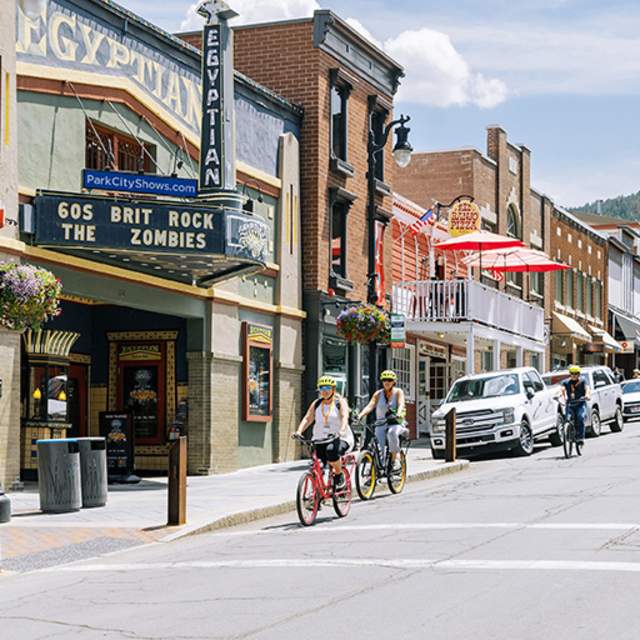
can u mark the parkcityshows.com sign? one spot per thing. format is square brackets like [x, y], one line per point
[139, 183]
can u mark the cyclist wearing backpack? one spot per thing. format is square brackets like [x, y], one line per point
[329, 416]
[389, 404]
[576, 392]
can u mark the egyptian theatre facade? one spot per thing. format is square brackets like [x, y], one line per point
[182, 304]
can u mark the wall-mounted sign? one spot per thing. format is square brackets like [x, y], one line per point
[464, 217]
[211, 151]
[430, 349]
[398, 331]
[379, 263]
[136, 183]
[258, 372]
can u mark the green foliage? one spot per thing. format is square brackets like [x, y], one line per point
[626, 207]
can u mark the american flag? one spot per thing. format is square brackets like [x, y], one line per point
[422, 222]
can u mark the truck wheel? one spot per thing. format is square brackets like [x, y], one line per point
[557, 437]
[618, 422]
[596, 424]
[525, 442]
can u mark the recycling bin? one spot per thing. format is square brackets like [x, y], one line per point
[93, 471]
[59, 475]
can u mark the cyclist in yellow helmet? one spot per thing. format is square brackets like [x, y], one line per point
[329, 415]
[576, 392]
[389, 404]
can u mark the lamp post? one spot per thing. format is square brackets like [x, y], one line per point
[402, 155]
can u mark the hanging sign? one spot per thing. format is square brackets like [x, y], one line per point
[211, 152]
[379, 263]
[464, 217]
[123, 181]
[398, 331]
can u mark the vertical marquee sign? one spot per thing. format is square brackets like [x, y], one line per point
[211, 146]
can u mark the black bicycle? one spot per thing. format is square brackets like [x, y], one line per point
[571, 435]
[373, 464]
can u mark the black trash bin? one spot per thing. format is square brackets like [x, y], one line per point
[59, 475]
[93, 471]
[5, 507]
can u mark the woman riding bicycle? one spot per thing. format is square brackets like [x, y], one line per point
[389, 404]
[330, 417]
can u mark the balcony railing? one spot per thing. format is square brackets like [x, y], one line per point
[467, 300]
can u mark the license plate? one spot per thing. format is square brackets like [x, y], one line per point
[634, 409]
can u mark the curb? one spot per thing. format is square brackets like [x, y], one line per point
[245, 517]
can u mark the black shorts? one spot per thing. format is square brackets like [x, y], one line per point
[332, 451]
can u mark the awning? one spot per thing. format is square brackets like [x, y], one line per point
[626, 329]
[610, 344]
[568, 326]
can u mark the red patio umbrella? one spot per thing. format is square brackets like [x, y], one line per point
[519, 259]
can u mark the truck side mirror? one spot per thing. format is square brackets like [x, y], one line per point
[530, 393]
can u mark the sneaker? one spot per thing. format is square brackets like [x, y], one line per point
[339, 483]
[580, 443]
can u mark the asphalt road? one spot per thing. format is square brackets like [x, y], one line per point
[515, 548]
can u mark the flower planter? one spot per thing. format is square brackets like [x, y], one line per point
[364, 324]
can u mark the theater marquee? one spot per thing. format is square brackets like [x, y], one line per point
[182, 242]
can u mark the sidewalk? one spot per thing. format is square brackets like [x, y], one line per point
[137, 514]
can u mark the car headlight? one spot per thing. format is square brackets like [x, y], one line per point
[438, 426]
[509, 416]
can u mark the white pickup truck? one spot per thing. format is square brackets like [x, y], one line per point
[499, 411]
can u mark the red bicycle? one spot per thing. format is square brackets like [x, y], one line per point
[313, 489]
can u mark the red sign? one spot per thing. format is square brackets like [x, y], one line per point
[379, 264]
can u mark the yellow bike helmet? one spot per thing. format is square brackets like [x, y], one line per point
[575, 369]
[326, 381]
[387, 374]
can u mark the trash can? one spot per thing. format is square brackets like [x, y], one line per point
[59, 475]
[93, 471]
[5, 507]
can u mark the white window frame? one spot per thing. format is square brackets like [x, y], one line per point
[403, 362]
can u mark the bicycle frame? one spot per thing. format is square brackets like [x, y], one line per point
[317, 470]
[380, 456]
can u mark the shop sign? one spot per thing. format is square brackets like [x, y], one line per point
[379, 263]
[116, 429]
[137, 183]
[398, 331]
[430, 349]
[627, 346]
[91, 224]
[211, 152]
[464, 217]
[258, 333]
[140, 352]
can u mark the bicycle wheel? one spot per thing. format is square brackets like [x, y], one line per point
[307, 499]
[396, 478]
[366, 475]
[568, 439]
[342, 499]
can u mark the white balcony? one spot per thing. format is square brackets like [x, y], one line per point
[459, 301]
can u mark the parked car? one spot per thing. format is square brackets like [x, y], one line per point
[499, 411]
[631, 400]
[605, 405]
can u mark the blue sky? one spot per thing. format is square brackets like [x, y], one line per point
[561, 76]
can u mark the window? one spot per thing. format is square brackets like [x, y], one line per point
[403, 362]
[589, 298]
[580, 291]
[568, 292]
[536, 283]
[335, 361]
[493, 387]
[513, 222]
[535, 361]
[533, 379]
[378, 118]
[339, 239]
[597, 300]
[339, 122]
[258, 372]
[107, 149]
[559, 297]
[600, 379]
[486, 363]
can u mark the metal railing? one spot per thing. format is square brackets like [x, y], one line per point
[467, 300]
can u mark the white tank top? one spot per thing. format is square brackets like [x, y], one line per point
[329, 423]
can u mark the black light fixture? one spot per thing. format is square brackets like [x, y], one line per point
[402, 150]
[248, 204]
[177, 164]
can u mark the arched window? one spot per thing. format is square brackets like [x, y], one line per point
[513, 222]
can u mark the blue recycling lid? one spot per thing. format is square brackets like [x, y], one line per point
[57, 440]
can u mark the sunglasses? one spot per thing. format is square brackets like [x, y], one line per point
[325, 388]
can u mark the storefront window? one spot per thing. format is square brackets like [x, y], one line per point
[568, 299]
[335, 361]
[580, 291]
[589, 297]
[258, 372]
[141, 392]
[559, 297]
[403, 363]
[107, 149]
[48, 389]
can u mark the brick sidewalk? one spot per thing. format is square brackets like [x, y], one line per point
[137, 514]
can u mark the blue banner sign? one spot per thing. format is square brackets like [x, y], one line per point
[139, 183]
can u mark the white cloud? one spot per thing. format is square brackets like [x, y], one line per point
[252, 11]
[437, 74]
[363, 31]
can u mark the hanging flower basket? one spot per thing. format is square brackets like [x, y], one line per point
[29, 296]
[364, 323]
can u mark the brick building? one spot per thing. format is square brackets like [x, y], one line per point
[579, 294]
[345, 85]
[484, 323]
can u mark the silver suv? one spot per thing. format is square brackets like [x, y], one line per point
[605, 405]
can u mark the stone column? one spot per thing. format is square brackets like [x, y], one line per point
[200, 409]
[10, 409]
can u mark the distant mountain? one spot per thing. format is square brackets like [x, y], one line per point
[627, 207]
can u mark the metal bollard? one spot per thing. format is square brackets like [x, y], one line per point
[178, 482]
[450, 436]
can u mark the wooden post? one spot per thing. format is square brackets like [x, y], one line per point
[450, 436]
[178, 482]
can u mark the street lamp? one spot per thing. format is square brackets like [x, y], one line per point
[402, 155]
